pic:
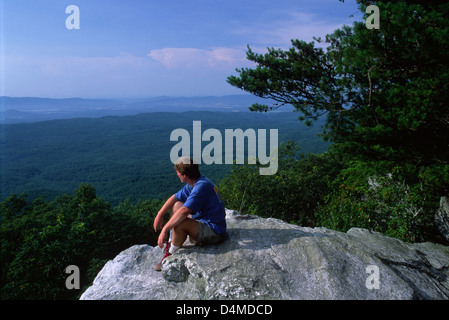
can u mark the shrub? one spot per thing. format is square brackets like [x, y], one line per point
[292, 194]
[378, 203]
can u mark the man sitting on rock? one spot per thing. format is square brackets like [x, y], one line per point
[197, 211]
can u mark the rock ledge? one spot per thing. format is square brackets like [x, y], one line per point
[270, 259]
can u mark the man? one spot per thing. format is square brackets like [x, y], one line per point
[197, 211]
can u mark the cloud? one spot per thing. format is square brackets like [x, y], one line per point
[114, 66]
[123, 74]
[280, 31]
[188, 58]
[172, 72]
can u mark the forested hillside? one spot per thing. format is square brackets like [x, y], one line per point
[122, 157]
[100, 180]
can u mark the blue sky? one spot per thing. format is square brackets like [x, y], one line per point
[146, 48]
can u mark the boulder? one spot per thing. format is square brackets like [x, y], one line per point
[270, 259]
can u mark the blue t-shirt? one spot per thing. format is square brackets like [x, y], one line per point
[204, 199]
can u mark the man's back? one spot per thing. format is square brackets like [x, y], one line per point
[204, 199]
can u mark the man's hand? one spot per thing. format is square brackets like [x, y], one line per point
[162, 238]
[158, 222]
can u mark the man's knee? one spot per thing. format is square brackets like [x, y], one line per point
[188, 226]
[178, 205]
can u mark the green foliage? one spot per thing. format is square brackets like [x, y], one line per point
[293, 194]
[384, 93]
[330, 191]
[40, 239]
[361, 198]
[122, 157]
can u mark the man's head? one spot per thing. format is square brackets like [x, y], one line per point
[186, 166]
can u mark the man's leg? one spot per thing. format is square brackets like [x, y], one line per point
[168, 246]
[178, 205]
[188, 227]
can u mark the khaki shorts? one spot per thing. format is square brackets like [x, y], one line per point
[207, 236]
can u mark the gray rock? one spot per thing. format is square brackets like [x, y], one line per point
[442, 218]
[270, 259]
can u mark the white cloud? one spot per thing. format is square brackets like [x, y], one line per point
[172, 71]
[114, 66]
[69, 76]
[279, 32]
[188, 58]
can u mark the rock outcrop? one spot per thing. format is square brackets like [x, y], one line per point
[270, 259]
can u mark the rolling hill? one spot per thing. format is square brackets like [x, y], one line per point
[121, 156]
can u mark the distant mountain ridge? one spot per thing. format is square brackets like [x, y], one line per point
[31, 109]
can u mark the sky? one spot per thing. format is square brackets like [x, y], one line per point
[148, 48]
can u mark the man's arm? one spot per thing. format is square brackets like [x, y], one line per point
[179, 216]
[159, 220]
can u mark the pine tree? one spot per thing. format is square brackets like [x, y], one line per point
[384, 92]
